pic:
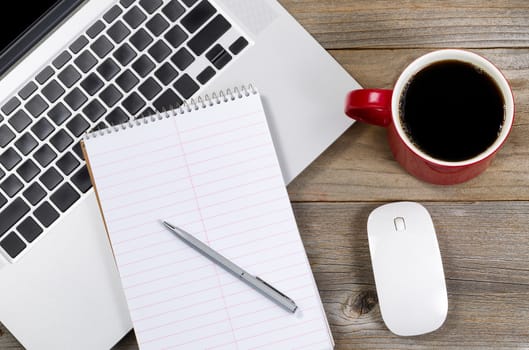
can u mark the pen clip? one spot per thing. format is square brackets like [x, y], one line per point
[269, 286]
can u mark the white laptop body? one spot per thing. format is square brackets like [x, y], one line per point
[64, 292]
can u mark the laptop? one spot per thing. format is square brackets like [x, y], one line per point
[70, 66]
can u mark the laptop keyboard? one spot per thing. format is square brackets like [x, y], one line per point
[140, 57]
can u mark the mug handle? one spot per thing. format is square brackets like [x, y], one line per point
[371, 106]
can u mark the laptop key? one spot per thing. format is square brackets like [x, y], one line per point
[12, 214]
[208, 35]
[117, 116]
[34, 193]
[134, 17]
[176, 36]
[149, 88]
[28, 170]
[127, 80]
[59, 113]
[143, 65]
[198, 16]
[238, 45]
[11, 185]
[166, 73]
[218, 56]
[3, 200]
[79, 44]
[75, 99]
[182, 58]
[124, 54]
[27, 90]
[36, 105]
[102, 46]
[108, 69]
[110, 95]
[77, 148]
[92, 84]
[167, 101]
[52, 91]
[95, 29]
[141, 39]
[42, 129]
[133, 103]
[157, 25]
[85, 61]
[61, 140]
[159, 51]
[126, 3]
[44, 75]
[206, 75]
[147, 112]
[67, 163]
[10, 105]
[64, 197]
[20, 120]
[69, 76]
[186, 86]
[173, 10]
[44, 155]
[94, 110]
[112, 14]
[9, 158]
[81, 180]
[150, 5]
[61, 60]
[26, 143]
[6, 135]
[13, 245]
[77, 125]
[29, 229]
[46, 214]
[51, 178]
[189, 3]
[99, 126]
[118, 32]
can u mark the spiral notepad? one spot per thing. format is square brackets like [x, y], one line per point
[210, 168]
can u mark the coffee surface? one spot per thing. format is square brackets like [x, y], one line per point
[452, 110]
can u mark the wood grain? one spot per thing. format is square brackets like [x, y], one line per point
[368, 24]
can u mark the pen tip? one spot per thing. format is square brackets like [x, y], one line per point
[167, 224]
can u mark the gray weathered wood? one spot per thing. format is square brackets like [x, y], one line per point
[346, 24]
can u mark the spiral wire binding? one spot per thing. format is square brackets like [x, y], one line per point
[188, 106]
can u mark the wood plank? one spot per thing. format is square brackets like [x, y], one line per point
[360, 167]
[486, 261]
[346, 24]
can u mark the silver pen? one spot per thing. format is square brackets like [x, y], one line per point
[254, 281]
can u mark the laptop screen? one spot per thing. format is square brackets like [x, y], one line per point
[24, 23]
[20, 16]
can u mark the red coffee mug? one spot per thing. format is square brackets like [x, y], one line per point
[382, 107]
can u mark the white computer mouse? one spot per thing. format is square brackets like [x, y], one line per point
[408, 269]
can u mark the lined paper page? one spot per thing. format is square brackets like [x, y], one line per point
[214, 173]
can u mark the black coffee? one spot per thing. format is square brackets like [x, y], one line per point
[452, 110]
